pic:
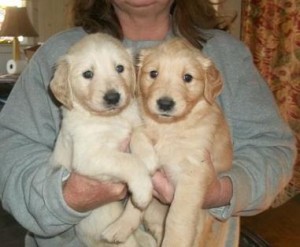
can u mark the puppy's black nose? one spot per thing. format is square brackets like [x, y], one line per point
[112, 97]
[165, 104]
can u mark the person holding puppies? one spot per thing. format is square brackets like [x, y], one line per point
[50, 202]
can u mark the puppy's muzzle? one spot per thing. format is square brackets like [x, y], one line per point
[165, 104]
[112, 98]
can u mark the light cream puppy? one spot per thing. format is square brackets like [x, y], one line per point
[178, 87]
[94, 82]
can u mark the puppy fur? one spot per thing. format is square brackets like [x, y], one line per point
[95, 82]
[177, 88]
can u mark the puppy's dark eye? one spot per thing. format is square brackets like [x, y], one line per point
[119, 68]
[187, 78]
[153, 74]
[88, 74]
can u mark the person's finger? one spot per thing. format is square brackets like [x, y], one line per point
[163, 188]
[124, 146]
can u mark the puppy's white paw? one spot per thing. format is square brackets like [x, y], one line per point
[141, 190]
[116, 233]
[151, 162]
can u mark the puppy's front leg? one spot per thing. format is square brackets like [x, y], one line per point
[142, 146]
[154, 219]
[116, 166]
[186, 208]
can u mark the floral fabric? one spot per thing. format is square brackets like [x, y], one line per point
[271, 29]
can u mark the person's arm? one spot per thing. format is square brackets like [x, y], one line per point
[264, 147]
[30, 189]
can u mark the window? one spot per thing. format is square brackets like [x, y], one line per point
[3, 5]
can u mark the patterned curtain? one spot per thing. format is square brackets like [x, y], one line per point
[271, 28]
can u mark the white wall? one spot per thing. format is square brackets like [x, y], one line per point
[49, 17]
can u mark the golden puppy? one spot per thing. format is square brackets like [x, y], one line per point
[178, 87]
[94, 82]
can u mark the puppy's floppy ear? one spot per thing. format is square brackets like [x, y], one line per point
[133, 85]
[132, 73]
[213, 81]
[60, 84]
[138, 68]
[139, 59]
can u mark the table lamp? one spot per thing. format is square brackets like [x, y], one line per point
[16, 23]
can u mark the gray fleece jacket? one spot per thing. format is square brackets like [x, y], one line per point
[31, 190]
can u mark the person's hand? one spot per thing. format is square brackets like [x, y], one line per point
[219, 192]
[163, 189]
[83, 194]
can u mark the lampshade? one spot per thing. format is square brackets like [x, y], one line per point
[16, 23]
